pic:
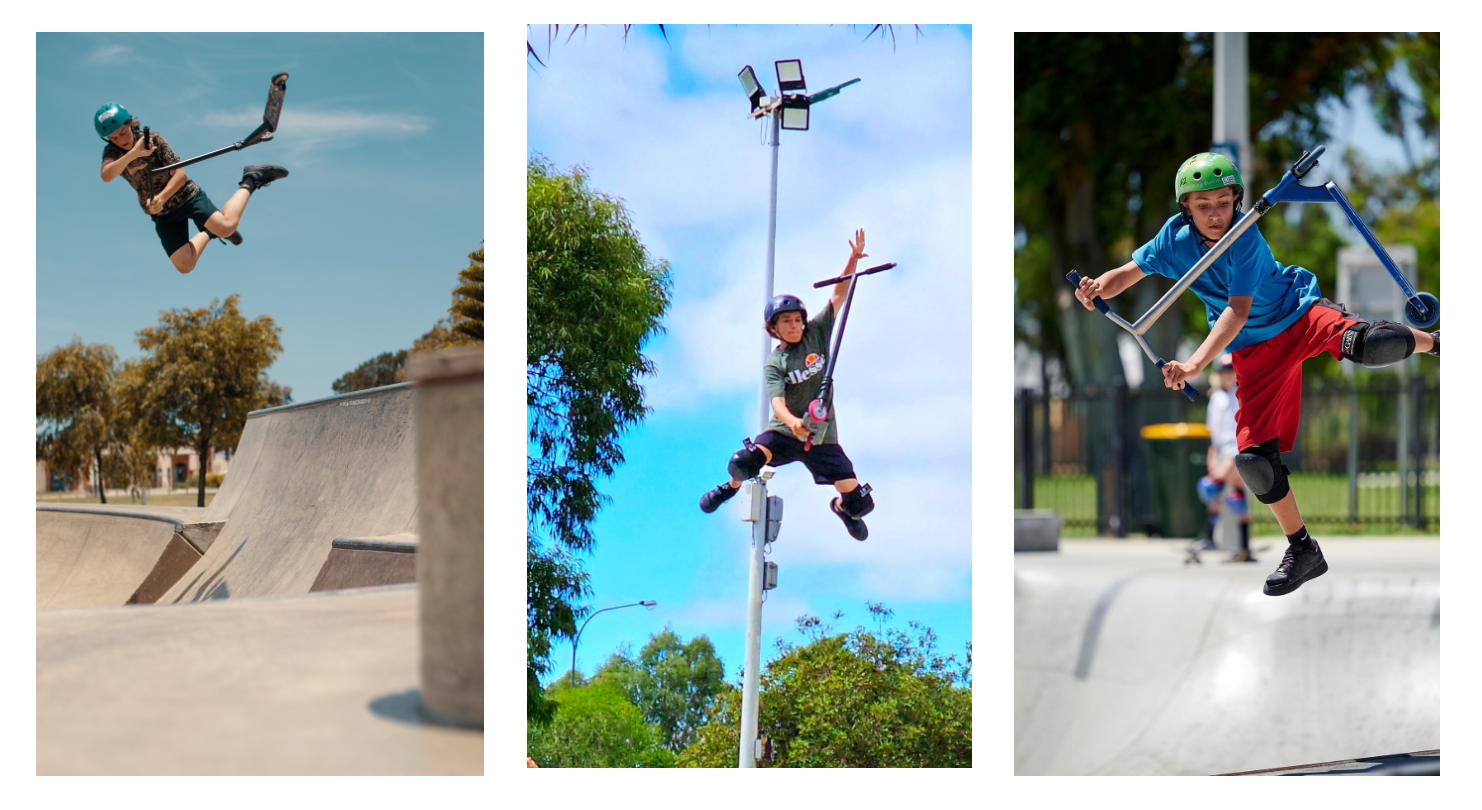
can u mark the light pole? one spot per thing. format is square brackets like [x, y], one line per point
[788, 110]
[648, 603]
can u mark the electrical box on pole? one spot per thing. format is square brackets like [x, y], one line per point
[769, 576]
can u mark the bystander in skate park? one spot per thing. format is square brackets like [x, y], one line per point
[259, 545]
[1135, 653]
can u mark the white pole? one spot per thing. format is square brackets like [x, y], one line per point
[1232, 103]
[752, 674]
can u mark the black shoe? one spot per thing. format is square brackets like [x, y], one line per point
[1298, 565]
[711, 501]
[235, 238]
[1435, 350]
[857, 528]
[256, 176]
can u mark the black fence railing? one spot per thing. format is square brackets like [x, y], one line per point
[1367, 458]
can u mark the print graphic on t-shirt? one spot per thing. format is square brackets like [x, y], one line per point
[811, 367]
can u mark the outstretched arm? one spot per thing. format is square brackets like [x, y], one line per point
[1108, 284]
[856, 252]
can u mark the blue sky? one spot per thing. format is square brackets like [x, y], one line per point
[664, 127]
[354, 254]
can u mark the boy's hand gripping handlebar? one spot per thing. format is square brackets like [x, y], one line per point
[1104, 309]
[818, 410]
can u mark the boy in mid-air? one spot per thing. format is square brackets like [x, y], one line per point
[172, 198]
[794, 375]
[1270, 317]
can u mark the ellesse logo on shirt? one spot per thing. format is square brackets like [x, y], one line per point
[812, 364]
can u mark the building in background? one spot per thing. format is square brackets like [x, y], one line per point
[169, 471]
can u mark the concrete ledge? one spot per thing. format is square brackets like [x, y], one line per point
[1036, 530]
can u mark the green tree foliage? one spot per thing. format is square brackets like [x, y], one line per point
[389, 368]
[593, 298]
[132, 451]
[553, 33]
[595, 726]
[862, 699]
[554, 582]
[74, 408]
[672, 682]
[204, 371]
[1095, 152]
[468, 302]
[386, 368]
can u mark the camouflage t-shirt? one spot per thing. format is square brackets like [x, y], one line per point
[796, 374]
[145, 185]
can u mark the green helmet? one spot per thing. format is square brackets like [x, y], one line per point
[1207, 171]
[109, 118]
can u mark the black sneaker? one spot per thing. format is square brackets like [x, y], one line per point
[259, 175]
[235, 238]
[857, 528]
[711, 501]
[1435, 350]
[1298, 565]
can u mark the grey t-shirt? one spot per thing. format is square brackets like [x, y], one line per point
[796, 374]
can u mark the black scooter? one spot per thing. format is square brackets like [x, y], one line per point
[818, 409]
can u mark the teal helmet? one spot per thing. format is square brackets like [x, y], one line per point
[109, 118]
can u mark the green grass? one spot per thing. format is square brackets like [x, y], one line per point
[173, 499]
[1322, 497]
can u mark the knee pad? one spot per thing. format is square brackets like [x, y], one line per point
[1262, 471]
[1209, 489]
[1377, 344]
[747, 462]
[858, 502]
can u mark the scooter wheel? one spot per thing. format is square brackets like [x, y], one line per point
[818, 410]
[1426, 314]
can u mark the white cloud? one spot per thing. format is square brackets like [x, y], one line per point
[112, 55]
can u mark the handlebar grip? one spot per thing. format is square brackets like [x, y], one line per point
[1075, 281]
[1187, 389]
[836, 279]
[1308, 161]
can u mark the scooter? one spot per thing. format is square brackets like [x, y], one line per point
[1421, 309]
[815, 421]
[277, 86]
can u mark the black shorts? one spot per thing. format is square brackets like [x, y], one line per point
[171, 225]
[827, 462]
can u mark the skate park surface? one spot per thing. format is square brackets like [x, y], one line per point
[240, 646]
[1126, 661]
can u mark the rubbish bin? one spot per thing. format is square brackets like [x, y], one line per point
[1175, 456]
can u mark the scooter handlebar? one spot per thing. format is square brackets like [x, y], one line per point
[1308, 161]
[1075, 281]
[836, 279]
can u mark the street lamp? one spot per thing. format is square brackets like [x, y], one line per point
[648, 603]
[752, 87]
[788, 110]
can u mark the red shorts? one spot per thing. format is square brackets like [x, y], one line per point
[1268, 375]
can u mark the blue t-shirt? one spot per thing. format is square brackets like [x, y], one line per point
[1280, 294]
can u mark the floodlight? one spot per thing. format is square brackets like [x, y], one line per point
[790, 75]
[795, 112]
[752, 87]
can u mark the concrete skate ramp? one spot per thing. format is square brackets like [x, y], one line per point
[100, 558]
[365, 562]
[1128, 662]
[303, 475]
[321, 683]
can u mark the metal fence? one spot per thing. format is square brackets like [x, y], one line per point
[1367, 457]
